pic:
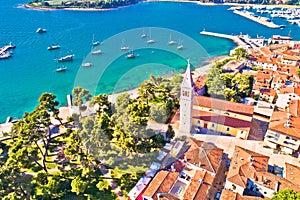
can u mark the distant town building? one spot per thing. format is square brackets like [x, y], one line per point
[248, 175]
[196, 175]
[284, 129]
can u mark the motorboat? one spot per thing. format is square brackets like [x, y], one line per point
[61, 69]
[66, 58]
[96, 43]
[41, 30]
[131, 55]
[87, 64]
[96, 52]
[53, 47]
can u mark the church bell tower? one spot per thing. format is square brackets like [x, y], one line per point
[186, 101]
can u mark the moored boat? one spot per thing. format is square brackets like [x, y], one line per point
[131, 55]
[125, 48]
[87, 64]
[66, 58]
[180, 47]
[96, 43]
[96, 52]
[151, 41]
[41, 30]
[53, 47]
[61, 69]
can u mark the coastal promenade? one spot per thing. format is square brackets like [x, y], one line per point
[234, 38]
[256, 19]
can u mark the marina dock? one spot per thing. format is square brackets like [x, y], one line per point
[234, 38]
[256, 19]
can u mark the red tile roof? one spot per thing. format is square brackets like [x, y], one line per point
[223, 105]
[224, 120]
[278, 120]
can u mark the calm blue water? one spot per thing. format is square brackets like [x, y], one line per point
[31, 70]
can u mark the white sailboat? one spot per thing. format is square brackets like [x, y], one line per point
[180, 46]
[144, 35]
[171, 42]
[150, 41]
[124, 47]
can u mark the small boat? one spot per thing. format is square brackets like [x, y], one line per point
[96, 52]
[66, 58]
[61, 69]
[151, 41]
[125, 48]
[171, 42]
[144, 35]
[53, 47]
[5, 55]
[96, 43]
[180, 47]
[87, 64]
[131, 55]
[41, 30]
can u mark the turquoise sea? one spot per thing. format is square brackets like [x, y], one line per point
[31, 70]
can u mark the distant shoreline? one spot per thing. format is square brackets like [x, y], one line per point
[179, 1]
[71, 8]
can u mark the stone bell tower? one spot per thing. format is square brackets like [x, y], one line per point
[186, 101]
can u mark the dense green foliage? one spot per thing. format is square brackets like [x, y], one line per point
[286, 194]
[99, 4]
[41, 164]
[29, 170]
[232, 87]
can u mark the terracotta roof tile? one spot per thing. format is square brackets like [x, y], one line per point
[278, 120]
[155, 183]
[219, 104]
[225, 120]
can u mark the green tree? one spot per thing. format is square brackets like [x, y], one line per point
[31, 139]
[286, 194]
[103, 185]
[102, 103]
[170, 132]
[80, 96]
[48, 101]
[240, 53]
[78, 185]
[214, 82]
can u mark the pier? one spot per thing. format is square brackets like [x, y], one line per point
[256, 19]
[234, 38]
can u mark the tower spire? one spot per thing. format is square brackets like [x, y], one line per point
[187, 79]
